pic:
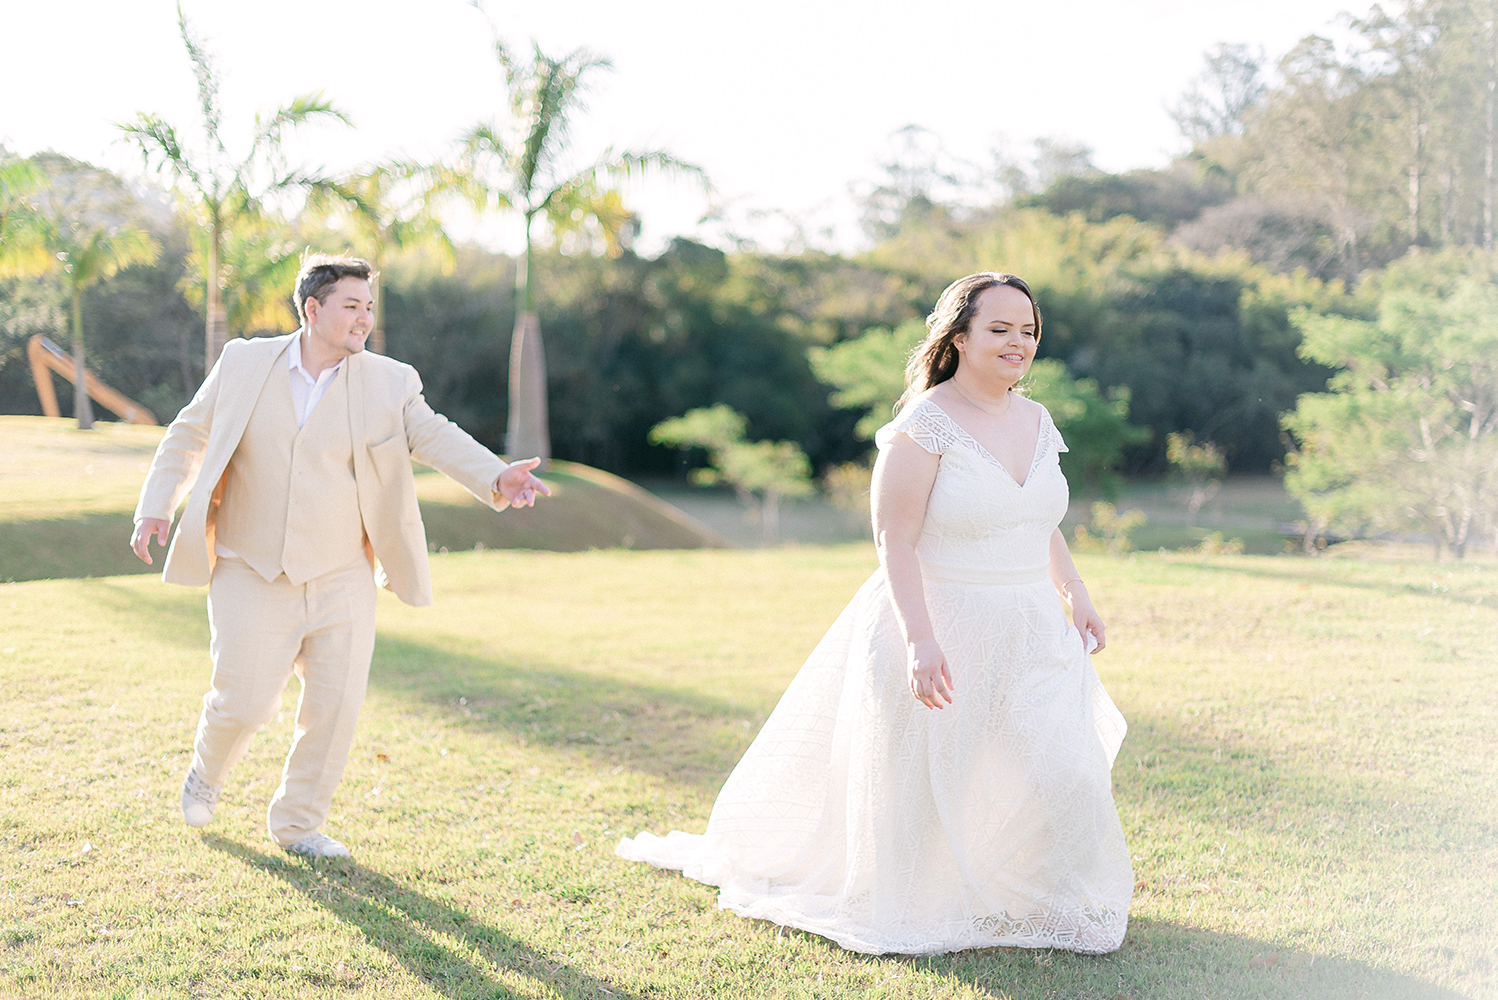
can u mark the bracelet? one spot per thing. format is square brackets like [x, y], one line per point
[1068, 583]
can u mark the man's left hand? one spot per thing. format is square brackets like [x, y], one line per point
[517, 485]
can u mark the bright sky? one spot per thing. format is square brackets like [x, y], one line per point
[786, 103]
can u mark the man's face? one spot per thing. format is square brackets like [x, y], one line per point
[342, 322]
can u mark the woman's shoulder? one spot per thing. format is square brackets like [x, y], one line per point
[1034, 408]
[1050, 434]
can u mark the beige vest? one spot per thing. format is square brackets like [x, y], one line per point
[290, 502]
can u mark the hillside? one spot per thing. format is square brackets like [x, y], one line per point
[67, 497]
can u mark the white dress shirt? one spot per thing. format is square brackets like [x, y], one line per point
[306, 392]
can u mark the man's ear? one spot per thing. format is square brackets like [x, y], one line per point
[309, 309]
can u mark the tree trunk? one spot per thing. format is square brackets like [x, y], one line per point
[526, 435]
[1489, 149]
[1415, 171]
[770, 518]
[1448, 204]
[82, 406]
[217, 332]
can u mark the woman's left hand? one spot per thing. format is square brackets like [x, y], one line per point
[1087, 621]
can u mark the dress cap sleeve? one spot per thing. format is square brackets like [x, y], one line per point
[1050, 434]
[926, 424]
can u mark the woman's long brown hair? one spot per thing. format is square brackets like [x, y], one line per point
[935, 359]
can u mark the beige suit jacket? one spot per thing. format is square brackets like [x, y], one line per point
[390, 423]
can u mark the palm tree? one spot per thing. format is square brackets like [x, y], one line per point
[88, 253]
[521, 169]
[224, 191]
[389, 212]
[258, 261]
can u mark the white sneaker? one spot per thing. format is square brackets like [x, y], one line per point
[319, 845]
[198, 799]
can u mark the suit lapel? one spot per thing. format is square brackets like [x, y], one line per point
[239, 404]
[353, 369]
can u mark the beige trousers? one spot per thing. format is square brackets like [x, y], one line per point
[262, 633]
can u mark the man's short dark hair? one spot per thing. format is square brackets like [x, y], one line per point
[320, 272]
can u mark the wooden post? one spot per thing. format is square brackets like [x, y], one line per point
[41, 374]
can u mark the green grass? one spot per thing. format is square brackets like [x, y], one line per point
[1307, 788]
[67, 502]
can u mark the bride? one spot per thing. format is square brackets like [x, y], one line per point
[937, 776]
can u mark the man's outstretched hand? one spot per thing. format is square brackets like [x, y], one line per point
[140, 541]
[517, 485]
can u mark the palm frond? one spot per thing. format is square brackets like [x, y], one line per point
[303, 109]
[502, 53]
[545, 105]
[613, 168]
[159, 147]
[207, 77]
[484, 174]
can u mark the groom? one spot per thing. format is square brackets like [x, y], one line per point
[297, 451]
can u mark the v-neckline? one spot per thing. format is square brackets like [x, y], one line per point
[978, 445]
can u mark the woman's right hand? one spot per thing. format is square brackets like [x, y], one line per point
[929, 680]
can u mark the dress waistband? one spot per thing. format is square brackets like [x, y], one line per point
[997, 577]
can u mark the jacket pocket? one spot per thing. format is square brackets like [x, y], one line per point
[390, 454]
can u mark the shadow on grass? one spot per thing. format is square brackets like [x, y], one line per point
[689, 738]
[177, 615]
[1165, 959]
[69, 547]
[411, 927]
[1409, 589]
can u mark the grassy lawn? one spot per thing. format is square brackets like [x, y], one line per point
[1308, 788]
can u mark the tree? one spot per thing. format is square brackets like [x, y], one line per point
[869, 372]
[1220, 99]
[1109, 531]
[221, 191]
[522, 167]
[87, 227]
[1317, 140]
[22, 252]
[1200, 466]
[1094, 423]
[760, 472]
[920, 178]
[257, 265]
[1410, 47]
[86, 254]
[1407, 438]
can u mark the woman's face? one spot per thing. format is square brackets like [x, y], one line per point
[999, 344]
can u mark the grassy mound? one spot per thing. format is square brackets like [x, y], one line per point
[67, 499]
[1306, 788]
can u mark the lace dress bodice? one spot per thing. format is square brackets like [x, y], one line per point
[981, 525]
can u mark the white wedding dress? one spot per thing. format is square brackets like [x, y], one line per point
[863, 816]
